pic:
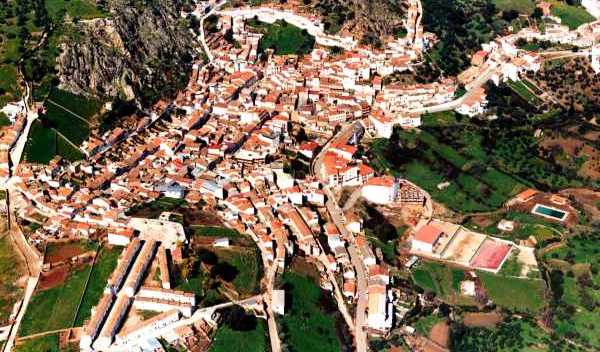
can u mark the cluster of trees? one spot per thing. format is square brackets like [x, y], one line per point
[561, 310]
[461, 26]
[511, 335]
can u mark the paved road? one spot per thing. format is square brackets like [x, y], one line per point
[202, 37]
[454, 104]
[199, 315]
[16, 153]
[29, 289]
[271, 15]
[337, 217]
[32, 259]
[271, 272]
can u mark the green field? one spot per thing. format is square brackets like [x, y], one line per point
[429, 157]
[47, 343]
[103, 267]
[507, 292]
[10, 264]
[285, 39]
[80, 105]
[572, 16]
[43, 144]
[514, 293]
[442, 280]
[424, 324]
[55, 308]
[575, 276]
[154, 208]
[248, 266]
[83, 9]
[64, 122]
[527, 225]
[441, 119]
[523, 91]
[307, 328]
[9, 90]
[229, 340]
[523, 6]
[514, 334]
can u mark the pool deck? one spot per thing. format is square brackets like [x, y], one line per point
[545, 199]
[536, 211]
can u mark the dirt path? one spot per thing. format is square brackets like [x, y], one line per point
[29, 337]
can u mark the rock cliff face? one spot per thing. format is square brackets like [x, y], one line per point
[373, 18]
[143, 51]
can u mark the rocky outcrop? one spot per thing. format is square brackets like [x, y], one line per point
[370, 18]
[142, 50]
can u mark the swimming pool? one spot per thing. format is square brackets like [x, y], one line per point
[549, 212]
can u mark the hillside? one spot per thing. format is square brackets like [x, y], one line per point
[141, 50]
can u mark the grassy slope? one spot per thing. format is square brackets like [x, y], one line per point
[523, 6]
[9, 273]
[578, 258]
[104, 266]
[572, 16]
[286, 39]
[54, 308]
[309, 329]
[83, 9]
[484, 188]
[229, 340]
[514, 293]
[508, 292]
[248, 267]
[48, 343]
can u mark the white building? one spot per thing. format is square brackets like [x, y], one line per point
[426, 238]
[120, 236]
[592, 6]
[169, 233]
[380, 190]
[474, 104]
[596, 58]
[130, 336]
[278, 301]
[380, 310]
[382, 124]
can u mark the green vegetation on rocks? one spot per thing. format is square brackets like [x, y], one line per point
[284, 38]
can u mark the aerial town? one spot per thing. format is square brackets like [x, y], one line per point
[272, 147]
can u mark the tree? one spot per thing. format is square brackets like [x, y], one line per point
[510, 15]
[537, 13]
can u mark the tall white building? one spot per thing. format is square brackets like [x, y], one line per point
[596, 58]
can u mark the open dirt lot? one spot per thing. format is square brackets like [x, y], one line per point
[53, 278]
[482, 320]
[589, 199]
[440, 334]
[59, 252]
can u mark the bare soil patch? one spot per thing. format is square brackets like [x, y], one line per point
[482, 221]
[482, 320]
[588, 199]
[440, 333]
[53, 278]
[303, 267]
[59, 252]
[576, 148]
